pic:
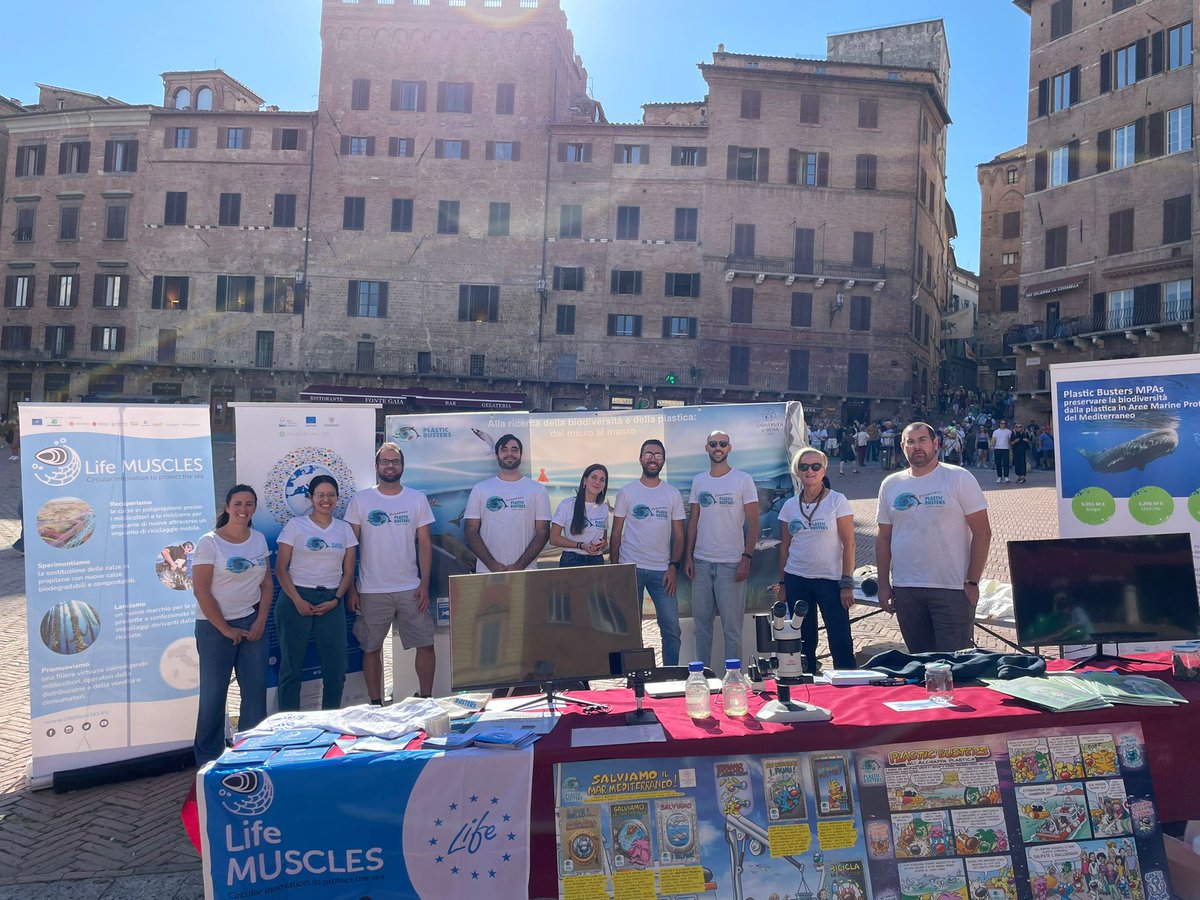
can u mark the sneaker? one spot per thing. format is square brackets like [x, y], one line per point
[998, 480]
[1006, 480]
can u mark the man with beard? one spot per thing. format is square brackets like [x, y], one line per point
[507, 519]
[395, 558]
[722, 531]
[933, 543]
[648, 532]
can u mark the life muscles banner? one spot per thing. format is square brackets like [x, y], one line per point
[1053, 813]
[411, 825]
[446, 454]
[280, 448]
[115, 498]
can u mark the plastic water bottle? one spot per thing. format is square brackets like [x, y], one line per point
[733, 689]
[696, 691]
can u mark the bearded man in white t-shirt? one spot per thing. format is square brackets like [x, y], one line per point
[507, 519]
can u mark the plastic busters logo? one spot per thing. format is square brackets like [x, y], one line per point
[56, 466]
[247, 793]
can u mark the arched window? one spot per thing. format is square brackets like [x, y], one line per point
[204, 98]
[183, 99]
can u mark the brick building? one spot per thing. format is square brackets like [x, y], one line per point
[1002, 208]
[1107, 253]
[459, 225]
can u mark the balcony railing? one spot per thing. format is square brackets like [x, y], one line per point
[1164, 314]
[805, 268]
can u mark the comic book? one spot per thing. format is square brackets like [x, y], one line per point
[629, 828]
[784, 788]
[580, 843]
[678, 831]
[831, 785]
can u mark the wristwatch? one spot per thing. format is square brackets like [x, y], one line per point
[675, 563]
[971, 583]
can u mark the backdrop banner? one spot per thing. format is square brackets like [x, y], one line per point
[115, 498]
[280, 448]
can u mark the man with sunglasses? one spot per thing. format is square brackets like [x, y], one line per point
[721, 534]
[932, 546]
[648, 532]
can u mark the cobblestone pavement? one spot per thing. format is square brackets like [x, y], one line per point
[126, 841]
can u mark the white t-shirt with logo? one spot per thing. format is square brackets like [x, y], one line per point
[595, 523]
[931, 543]
[508, 513]
[816, 549]
[317, 553]
[387, 536]
[238, 572]
[721, 533]
[649, 514]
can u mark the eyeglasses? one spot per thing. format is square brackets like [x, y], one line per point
[718, 443]
[652, 455]
[804, 467]
[384, 463]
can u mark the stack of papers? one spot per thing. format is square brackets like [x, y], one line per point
[505, 738]
[286, 745]
[844, 677]
[1054, 694]
[1131, 690]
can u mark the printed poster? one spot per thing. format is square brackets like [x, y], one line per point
[115, 498]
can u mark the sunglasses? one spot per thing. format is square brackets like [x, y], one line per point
[804, 467]
[718, 443]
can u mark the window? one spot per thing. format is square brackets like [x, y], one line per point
[1125, 67]
[170, 292]
[284, 211]
[860, 313]
[354, 213]
[575, 153]
[17, 291]
[60, 340]
[16, 337]
[739, 365]
[360, 93]
[204, 98]
[743, 240]
[235, 293]
[505, 99]
[568, 278]
[1179, 46]
[447, 219]
[570, 221]
[564, 319]
[857, 368]
[689, 156]
[1064, 90]
[1009, 298]
[64, 291]
[73, 157]
[111, 291]
[504, 151]
[1179, 129]
[682, 284]
[1177, 306]
[23, 233]
[744, 164]
[810, 109]
[264, 349]
[279, 294]
[408, 96]
[498, 216]
[364, 357]
[628, 218]
[120, 155]
[452, 149]
[624, 326]
[478, 303]
[1011, 175]
[797, 370]
[424, 362]
[367, 299]
[358, 145]
[236, 138]
[68, 223]
[751, 103]
[108, 338]
[1059, 159]
[687, 221]
[1124, 146]
[30, 161]
[741, 306]
[1060, 18]
[1118, 5]
[1010, 258]
[402, 214]
[864, 250]
[231, 210]
[802, 309]
[679, 327]
[1056, 247]
[181, 138]
[868, 113]
[401, 146]
[631, 154]
[626, 281]
[175, 212]
[864, 171]
[1011, 227]
[1120, 308]
[1177, 219]
[1120, 231]
[808, 168]
[454, 96]
[289, 139]
[115, 218]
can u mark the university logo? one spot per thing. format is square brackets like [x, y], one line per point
[248, 793]
[56, 466]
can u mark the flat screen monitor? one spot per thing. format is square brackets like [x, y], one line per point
[541, 626]
[1104, 590]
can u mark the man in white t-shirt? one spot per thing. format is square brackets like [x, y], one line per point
[392, 524]
[648, 532]
[721, 534]
[1002, 451]
[932, 546]
[507, 519]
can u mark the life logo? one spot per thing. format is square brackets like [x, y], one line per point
[56, 466]
[247, 793]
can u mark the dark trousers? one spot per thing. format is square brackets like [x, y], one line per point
[934, 619]
[294, 631]
[570, 559]
[1001, 458]
[821, 594]
[1019, 461]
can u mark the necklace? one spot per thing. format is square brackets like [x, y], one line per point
[809, 513]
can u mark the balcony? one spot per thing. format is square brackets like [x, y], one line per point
[1135, 323]
[791, 268]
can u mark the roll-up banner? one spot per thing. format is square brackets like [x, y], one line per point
[115, 498]
[280, 448]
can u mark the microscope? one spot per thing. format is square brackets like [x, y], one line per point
[778, 635]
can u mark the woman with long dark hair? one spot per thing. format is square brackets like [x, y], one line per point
[580, 524]
[231, 578]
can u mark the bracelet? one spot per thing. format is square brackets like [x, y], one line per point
[675, 563]
[579, 545]
[846, 581]
[749, 556]
[971, 583]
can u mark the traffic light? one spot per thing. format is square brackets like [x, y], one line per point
[672, 378]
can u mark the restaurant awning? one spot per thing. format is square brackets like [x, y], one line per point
[1056, 287]
[426, 398]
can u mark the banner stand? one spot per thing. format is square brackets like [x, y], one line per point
[125, 770]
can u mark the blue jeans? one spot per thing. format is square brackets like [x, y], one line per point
[714, 591]
[821, 594]
[294, 631]
[571, 559]
[220, 657]
[666, 608]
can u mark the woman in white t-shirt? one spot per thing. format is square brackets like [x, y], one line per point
[580, 524]
[314, 564]
[816, 557]
[232, 583]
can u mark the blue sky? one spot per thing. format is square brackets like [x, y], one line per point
[636, 51]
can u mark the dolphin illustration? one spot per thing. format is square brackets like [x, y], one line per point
[1134, 454]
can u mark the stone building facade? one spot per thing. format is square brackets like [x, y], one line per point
[1002, 210]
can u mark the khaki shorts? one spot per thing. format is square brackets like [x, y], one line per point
[379, 613]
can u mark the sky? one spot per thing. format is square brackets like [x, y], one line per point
[635, 51]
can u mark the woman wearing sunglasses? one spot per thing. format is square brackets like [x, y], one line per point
[816, 557]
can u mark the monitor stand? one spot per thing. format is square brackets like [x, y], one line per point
[549, 697]
[1100, 656]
